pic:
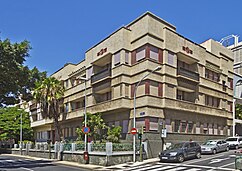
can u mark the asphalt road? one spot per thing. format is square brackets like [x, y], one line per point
[224, 161]
[12, 163]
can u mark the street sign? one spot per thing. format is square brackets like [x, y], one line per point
[133, 131]
[85, 130]
[163, 133]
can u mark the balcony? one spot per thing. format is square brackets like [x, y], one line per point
[182, 72]
[196, 108]
[100, 76]
[110, 105]
[41, 122]
[99, 88]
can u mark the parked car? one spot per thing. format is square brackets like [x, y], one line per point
[234, 142]
[214, 146]
[181, 151]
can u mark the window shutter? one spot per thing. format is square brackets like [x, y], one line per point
[117, 58]
[147, 87]
[147, 51]
[132, 90]
[160, 55]
[133, 57]
[147, 124]
[160, 92]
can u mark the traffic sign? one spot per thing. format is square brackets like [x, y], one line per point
[163, 133]
[85, 130]
[133, 131]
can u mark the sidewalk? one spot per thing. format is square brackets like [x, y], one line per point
[90, 166]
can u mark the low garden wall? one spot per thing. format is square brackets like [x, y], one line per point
[99, 154]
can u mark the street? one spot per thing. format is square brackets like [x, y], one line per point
[13, 163]
[218, 162]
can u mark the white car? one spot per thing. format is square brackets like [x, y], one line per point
[234, 142]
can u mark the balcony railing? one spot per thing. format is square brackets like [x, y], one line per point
[101, 75]
[187, 73]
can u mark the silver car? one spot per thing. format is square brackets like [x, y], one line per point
[214, 146]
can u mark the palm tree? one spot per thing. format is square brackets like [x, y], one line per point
[48, 93]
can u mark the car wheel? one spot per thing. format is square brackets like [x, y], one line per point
[198, 155]
[214, 151]
[180, 158]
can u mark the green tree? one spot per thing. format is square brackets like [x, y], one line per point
[238, 111]
[15, 78]
[49, 93]
[96, 125]
[10, 119]
[114, 134]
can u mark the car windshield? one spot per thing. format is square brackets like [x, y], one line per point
[231, 139]
[210, 143]
[176, 146]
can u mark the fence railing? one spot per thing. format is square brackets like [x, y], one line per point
[92, 147]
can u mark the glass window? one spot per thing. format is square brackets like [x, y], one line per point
[170, 58]
[89, 72]
[126, 57]
[177, 126]
[140, 53]
[117, 58]
[184, 126]
[190, 127]
[154, 53]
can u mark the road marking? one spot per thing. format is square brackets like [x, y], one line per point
[193, 169]
[137, 167]
[177, 168]
[218, 160]
[152, 167]
[205, 159]
[227, 164]
[26, 169]
[163, 168]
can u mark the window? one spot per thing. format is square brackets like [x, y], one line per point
[126, 57]
[230, 82]
[170, 58]
[154, 53]
[183, 126]
[67, 107]
[66, 84]
[126, 90]
[177, 126]
[230, 104]
[190, 127]
[117, 58]
[125, 126]
[211, 75]
[212, 101]
[89, 72]
[140, 53]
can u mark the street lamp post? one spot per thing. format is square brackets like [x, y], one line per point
[21, 133]
[85, 110]
[134, 123]
[234, 104]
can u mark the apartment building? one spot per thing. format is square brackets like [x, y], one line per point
[191, 96]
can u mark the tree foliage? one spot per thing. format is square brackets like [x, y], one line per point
[10, 119]
[96, 125]
[49, 93]
[238, 111]
[15, 78]
[114, 134]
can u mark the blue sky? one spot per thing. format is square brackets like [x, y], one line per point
[60, 31]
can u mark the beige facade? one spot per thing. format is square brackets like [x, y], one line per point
[192, 94]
